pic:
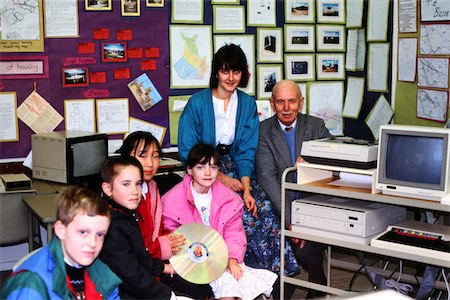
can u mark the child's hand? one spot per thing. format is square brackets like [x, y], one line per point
[176, 241]
[234, 268]
[168, 269]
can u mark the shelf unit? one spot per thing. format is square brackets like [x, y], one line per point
[318, 181]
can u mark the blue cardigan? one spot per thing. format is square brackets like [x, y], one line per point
[197, 125]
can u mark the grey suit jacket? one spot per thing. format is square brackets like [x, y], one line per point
[273, 157]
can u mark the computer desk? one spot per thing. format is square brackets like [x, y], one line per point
[43, 208]
[319, 177]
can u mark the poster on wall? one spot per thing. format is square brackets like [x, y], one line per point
[433, 11]
[328, 104]
[190, 56]
[9, 130]
[21, 27]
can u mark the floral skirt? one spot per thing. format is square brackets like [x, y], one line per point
[263, 232]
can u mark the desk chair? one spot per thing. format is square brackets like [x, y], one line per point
[14, 220]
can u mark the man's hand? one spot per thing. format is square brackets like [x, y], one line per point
[297, 241]
[300, 160]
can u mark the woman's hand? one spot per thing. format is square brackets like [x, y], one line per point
[176, 241]
[231, 183]
[250, 202]
[234, 268]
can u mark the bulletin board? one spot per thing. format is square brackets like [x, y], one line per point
[146, 38]
[352, 127]
[148, 32]
[421, 22]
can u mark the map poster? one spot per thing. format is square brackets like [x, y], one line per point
[190, 56]
[328, 104]
[432, 105]
[22, 26]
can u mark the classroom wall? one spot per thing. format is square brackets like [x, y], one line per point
[407, 91]
[149, 30]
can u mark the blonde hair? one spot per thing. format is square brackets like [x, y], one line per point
[80, 200]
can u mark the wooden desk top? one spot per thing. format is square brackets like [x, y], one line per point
[42, 206]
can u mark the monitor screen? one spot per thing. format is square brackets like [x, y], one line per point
[413, 161]
[414, 158]
[88, 157]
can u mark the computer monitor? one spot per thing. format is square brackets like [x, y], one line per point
[68, 156]
[414, 161]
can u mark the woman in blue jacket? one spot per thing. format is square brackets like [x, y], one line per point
[227, 119]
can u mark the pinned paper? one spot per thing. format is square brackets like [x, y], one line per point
[145, 92]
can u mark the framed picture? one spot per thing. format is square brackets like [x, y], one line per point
[225, 1]
[330, 66]
[130, 8]
[299, 11]
[98, 4]
[299, 67]
[79, 114]
[72, 77]
[114, 52]
[299, 38]
[268, 75]
[270, 45]
[434, 11]
[261, 13]
[331, 37]
[222, 14]
[154, 3]
[331, 11]
[188, 12]
[190, 60]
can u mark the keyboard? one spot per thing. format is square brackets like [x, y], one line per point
[416, 238]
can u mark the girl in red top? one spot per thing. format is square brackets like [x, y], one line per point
[159, 243]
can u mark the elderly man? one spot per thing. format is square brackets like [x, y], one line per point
[280, 144]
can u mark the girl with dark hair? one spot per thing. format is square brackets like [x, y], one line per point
[201, 198]
[226, 118]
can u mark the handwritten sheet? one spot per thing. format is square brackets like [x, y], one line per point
[353, 97]
[377, 24]
[352, 47]
[61, 18]
[8, 117]
[112, 115]
[407, 52]
[229, 19]
[354, 9]
[156, 130]
[378, 67]
[187, 11]
[380, 114]
[435, 10]
[407, 16]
